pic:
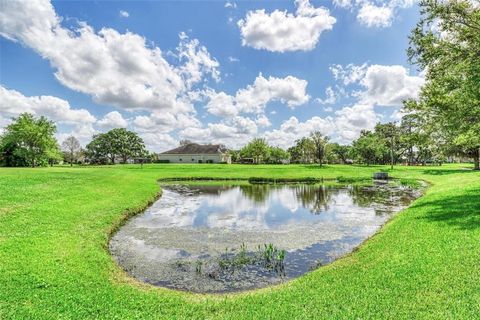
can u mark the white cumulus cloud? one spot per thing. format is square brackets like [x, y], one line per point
[234, 131]
[343, 3]
[389, 85]
[198, 61]
[330, 98]
[122, 70]
[289, 90]
[344, 126]
[350, 73]
[372, 15]
[12, 103]
[281, 31]
[384, 85]
[229, 4]
[164, 122]
[80, 121]
[292, 129]
[113, 120]
[349, 121]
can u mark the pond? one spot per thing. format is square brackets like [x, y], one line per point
[219, 237]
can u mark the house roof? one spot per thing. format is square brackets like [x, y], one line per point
[193, 148]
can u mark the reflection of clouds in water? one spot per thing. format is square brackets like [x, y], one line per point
[286, 198]
[343, 208]
[171, 210]
[254, 207]
[233, 210]
[143, 250]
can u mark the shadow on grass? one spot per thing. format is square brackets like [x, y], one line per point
[442, 172]
[315, 166]
[461, 211]
[327, 166]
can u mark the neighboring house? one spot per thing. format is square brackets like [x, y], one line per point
[197, 153]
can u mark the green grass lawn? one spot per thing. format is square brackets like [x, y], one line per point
[55, 224]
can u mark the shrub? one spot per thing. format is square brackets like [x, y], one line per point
[162, 161]
[258, 180]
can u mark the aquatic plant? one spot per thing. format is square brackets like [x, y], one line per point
[271, 257]
[412, 183]
[198, 266]
[268, 256]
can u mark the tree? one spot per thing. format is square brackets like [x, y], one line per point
[126, 144]
[258, 149]
[368, 147]
[99, 150]
[116, 143]
[29, 141]
[421, 142]
[411, 136]
[303, 151]
[341, 151]
[71, 147]
[277, 155]
[320, 143]
[389, 134]
[446, 44]
[234, 155]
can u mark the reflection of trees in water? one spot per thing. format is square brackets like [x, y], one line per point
[364, 196]
[314, 198]
[257, 192]
[210, 189]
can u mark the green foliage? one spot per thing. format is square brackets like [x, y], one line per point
[303, 151]
[29, 141]
[162, 161]
[257, 149]
[115, 143]
[271, 257]
[265, 180]
[278, 155]
[368, 147]
[342, 179]
[341, 152]
[413, 183]
[234, 155]
[268, 256]
[446, 44]
[320, 145]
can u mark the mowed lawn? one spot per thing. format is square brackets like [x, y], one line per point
[54, 263]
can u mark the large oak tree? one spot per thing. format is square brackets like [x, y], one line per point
[446, 44]
[116, 143]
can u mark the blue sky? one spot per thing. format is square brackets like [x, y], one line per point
[208, 71]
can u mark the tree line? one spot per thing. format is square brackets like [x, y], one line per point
[31, 142]
[388, 143]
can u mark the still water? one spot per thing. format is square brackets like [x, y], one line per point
[215, 237]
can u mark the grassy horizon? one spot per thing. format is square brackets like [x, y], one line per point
[54, 263]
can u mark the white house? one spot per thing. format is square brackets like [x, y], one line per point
[197, 153]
